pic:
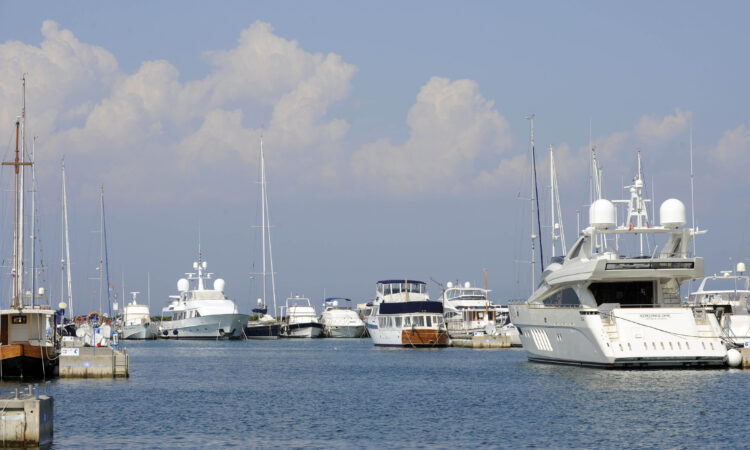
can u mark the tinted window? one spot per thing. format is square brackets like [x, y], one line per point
[629, 293]
[566, 297]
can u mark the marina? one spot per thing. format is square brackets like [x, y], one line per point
[495, 225]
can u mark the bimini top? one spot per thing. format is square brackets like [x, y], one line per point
[400, 281]
[330, 299]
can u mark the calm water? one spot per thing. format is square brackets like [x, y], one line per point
[346, 393]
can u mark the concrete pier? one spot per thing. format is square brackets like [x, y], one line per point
[94, 362]
[745, 352]
[26, 418]
[481, 341]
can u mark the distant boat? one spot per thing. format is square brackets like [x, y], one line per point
[264, 326]
[201, 313]
[469, 312]
[404, 316]
[726, 295]
[339, 321]
[300, 319]
[29, 347]
[136, 321]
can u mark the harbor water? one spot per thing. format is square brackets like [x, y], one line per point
[323, 393]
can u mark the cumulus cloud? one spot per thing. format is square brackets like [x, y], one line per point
[81, 103]
[663, 128]
[451, 125]
[733, 149]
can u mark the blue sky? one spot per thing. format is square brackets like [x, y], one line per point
[395, 132]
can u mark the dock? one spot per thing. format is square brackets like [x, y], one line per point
[745, 352]
[94, 362]
[484, 341]
[26, 418]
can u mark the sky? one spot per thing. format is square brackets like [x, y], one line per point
[395, 134]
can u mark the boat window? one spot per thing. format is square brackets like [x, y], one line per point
[429, 321]
[565, 297]
[407, 321]
[389, 323]
[419, 321]
[632, 293]
[197, 314]
[398, 322]
[439, 320]
[480, 315]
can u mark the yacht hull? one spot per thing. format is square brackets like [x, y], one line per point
[139, 331]
[28, 362]
[220, 326]
[344, 331]
[414, 337]
[260, 330]
[628, 338]
[301, 330]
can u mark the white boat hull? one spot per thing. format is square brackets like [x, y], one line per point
[637, 337]
[220, 326]
[344, 331]
[139, 331]
[304, 330]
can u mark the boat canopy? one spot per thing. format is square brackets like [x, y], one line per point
[400, 281]
[330, 299]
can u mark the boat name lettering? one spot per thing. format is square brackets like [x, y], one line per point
[655, 316]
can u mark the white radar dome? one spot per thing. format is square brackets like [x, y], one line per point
[205, 264]
[219, 285]
[602, 214]
[260, 302]
[672, 213]
[741, 267]
[183, 285]
[335, 303]
[41, 291]
[195, 266]
[62, 305]
[449, 284]
[467, 285]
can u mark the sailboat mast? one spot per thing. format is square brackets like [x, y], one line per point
[33, 222]
[263, 219]
[530, 118]
[16, 233]
[552, 196]
[66, 261]
[692, 195]
[106, 259]
[21, 237]
[101, 247]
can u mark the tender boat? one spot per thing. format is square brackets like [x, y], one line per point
[136, 321]
[261, 325]
[201, 313]
[726, 295]
[339, 321]
[300, 319]
[403, 316]
[601, 308]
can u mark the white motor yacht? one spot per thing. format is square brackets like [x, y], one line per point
[468, 311]
[403, 316]
[201, 313]
[300, 319]
[603, 309]
[136, 321]
[339, 321]
[726, 295]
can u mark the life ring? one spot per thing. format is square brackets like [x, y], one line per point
[79, 320]
[98, 318]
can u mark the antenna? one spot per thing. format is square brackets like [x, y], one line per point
[692, 196]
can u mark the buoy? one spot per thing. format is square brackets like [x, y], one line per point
[734, 358]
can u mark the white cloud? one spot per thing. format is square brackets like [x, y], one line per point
[451, 124]
[651, 128]
[733, 149]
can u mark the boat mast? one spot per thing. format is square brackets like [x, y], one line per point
[33, 222]
[66, 259]
[101, 247]
[263, 220]
[21, 268]
[530, 118]
[106, 259]
[692, 197]
[558, 231]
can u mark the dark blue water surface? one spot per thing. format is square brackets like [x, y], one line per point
[324, 393]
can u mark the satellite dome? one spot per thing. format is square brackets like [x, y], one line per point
[195, 266]
[467, 285]
[183, 285]
[602, 214]
[449, 284]
[205, 264]
[741, 267]
[219, 284]
[335, 303]
[63, 305]
[672, 213]
[260, 302]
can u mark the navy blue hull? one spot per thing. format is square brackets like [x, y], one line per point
[262, 331]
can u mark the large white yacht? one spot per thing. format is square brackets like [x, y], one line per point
[200, 312]
[300, 319]
[468, 311]
[136, 321]
[603, 309]
[403, 316]
[726, 295]
[339, 321]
